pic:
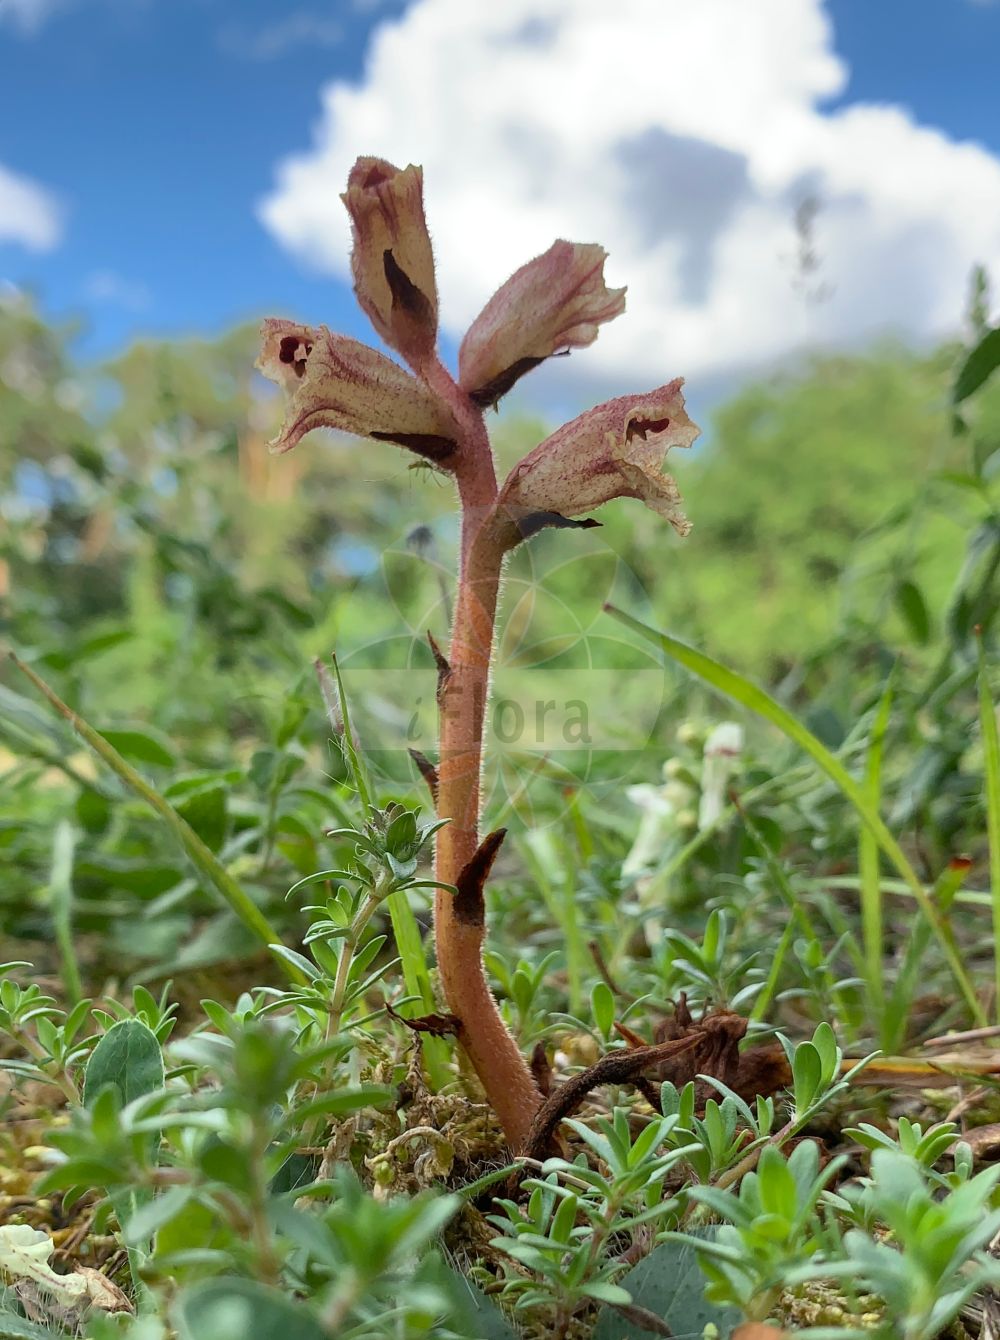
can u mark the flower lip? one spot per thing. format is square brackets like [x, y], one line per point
[295, 352]
[335, 382]
[613, 451]
[643, 427]
[370, 172]
[551, 305]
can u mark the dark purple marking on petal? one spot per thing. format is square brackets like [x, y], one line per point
[640, 427]
[295, 351]
[536, 521]
[489, 394]
[405, 294]
[435, 446]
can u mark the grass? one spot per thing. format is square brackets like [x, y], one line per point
[309, 1164]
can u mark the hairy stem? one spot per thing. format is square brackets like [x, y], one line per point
[463, 693]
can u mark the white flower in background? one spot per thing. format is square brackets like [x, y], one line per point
[665, 810]
[723, 748]
[670, 808]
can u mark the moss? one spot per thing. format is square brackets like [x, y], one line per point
[823, 1303]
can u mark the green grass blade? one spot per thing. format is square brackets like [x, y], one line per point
[898, 1007]
[355, 763]
[750, 695]
[991, 771]
[417, 976]
[410, 947]
[763, 1002]
[61, 907]
[553, 869]
[201, 856]
[868, 868]
[797, 915]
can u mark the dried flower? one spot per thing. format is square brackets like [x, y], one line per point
[335, 382]
[613, 451]
[555, 302]
[392, 259]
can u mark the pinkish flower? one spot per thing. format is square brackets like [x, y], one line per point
[553, 303]
[335, 382]
[556, 302]
[392, 260]
[613, 451]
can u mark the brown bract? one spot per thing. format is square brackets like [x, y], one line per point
[392, 260]
[613, 451]
[335, 382]
[555, 302]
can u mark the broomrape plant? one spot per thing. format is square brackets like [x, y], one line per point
[226, 1157]
[553, 304]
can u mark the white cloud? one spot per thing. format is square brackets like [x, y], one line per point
[29, 214]
[27, 15]
[107, 286]
[267, 43]
[682, 137]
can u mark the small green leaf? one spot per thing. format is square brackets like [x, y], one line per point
[205, 811]
[807, 1074]
[128, 1059]
[309, 970]
[67, 656]
[912, 606]
[148, 1219]
[193, 1227]
[142, 745]
[222, 1162]
[825, 1042]
[670, 1284]
[239, 1309]
[482, 1317]
[31, 721]
[981, 363]
[602, 1005]
[13, 1327]
[607, 1293]
[93, 811]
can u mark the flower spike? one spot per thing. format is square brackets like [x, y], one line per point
[554, 303]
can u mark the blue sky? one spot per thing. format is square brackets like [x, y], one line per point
[157, 126]
[154, 132]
